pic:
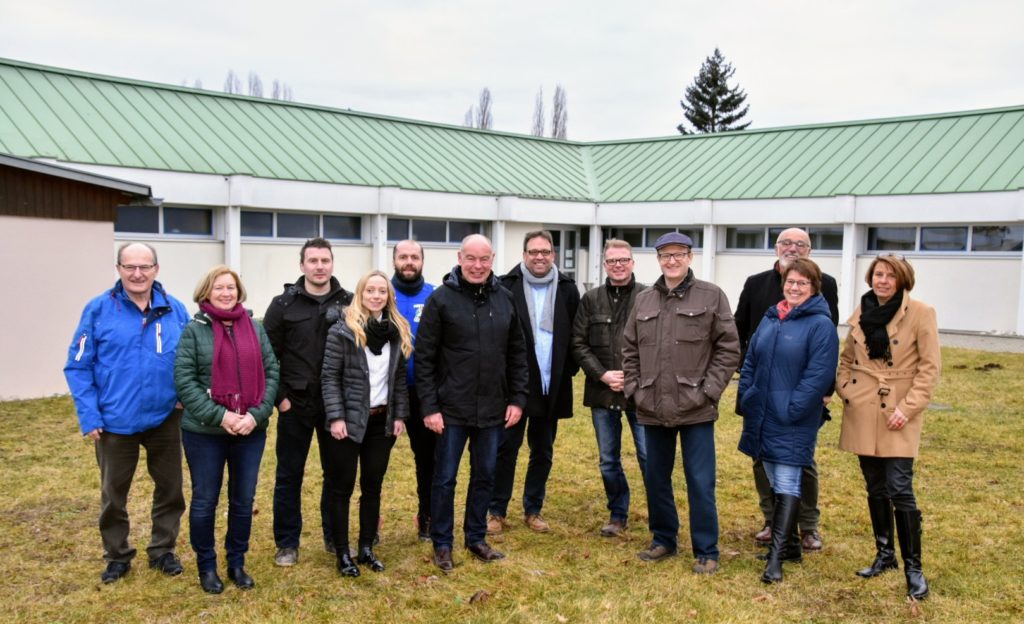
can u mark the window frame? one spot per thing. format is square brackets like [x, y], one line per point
[161, 224]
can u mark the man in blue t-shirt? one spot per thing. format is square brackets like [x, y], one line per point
[411, 292]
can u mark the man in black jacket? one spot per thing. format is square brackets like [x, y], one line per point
[760, 292]
[597, 345]
[298, 331]
[471, 378]
[546, 302]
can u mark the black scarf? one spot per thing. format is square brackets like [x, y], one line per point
[379, 333]
[873, 321]
[618, 296]
[407, 288]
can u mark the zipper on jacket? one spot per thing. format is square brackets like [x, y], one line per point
[81, 347]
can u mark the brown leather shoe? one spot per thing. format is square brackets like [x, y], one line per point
[443, 559]
[484, 552]
[655, 552]
[810, 540]
[705, 566]
[764, 536]
[496, 525]
[536, 523]
[614, 528]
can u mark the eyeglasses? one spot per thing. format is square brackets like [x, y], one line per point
[678, 256]
[617, 261]
[798, 283]
[544, 253]
[131, 268]
[792, 243]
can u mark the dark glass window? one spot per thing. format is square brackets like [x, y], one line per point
[828, 238]
[458, 230]
[633, 236]
[696, 235]
[142, 219]
[398, 229]
[892, 238]
[744, 238]
[998, 238]
[429, 231]
[944, 238]
[773, 236]
[257, 223]
[653, 234]
[188, 221]
[344, 227]
[297, 225]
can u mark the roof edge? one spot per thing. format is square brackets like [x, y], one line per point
[67, 173]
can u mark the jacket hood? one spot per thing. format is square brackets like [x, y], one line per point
[453, 279]
[814, 305]
[158, 296]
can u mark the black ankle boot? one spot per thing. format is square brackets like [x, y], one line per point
[785, 544]
[346, 566]
[210, 582]
[908, 528]
[885, 547]
[367, 557]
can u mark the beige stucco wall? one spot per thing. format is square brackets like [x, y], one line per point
[37, 327]
[183, 263]
[267, 267]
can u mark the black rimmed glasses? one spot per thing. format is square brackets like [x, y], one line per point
[617, 261]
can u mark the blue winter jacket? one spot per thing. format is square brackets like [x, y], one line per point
[790, 366]
[120, 365]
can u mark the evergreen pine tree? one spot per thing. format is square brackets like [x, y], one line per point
[710, 105]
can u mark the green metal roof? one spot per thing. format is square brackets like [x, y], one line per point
[77, 117]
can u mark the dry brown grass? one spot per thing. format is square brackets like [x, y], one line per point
[968, 482]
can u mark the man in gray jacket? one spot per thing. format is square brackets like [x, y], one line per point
[597, 345]
[680, 350]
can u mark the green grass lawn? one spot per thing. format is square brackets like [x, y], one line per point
[968, 484]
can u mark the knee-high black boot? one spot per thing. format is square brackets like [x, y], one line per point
[885, 546]
[785, 544]
[908, 527]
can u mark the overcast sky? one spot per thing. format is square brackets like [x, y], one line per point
[624, 65]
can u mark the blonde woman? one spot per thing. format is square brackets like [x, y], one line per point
[366, 401]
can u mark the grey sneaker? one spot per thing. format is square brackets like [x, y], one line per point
[286, 557]
[705, 566]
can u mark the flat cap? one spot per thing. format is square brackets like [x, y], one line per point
[673, 238]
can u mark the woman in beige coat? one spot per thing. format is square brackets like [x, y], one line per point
[887, 372]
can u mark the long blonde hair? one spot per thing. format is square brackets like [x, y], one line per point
[356, 314]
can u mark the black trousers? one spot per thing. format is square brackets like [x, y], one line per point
[892, 478]
[422, 441]
[370, 458]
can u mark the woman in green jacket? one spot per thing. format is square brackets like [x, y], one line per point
[226, 375]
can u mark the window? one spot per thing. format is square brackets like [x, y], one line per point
[947, 238]
[745, 238]
[432, 231]
[258, 224]
[646, 237]
[828, 238]
[164, 220]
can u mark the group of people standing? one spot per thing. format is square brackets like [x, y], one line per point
[493, 366]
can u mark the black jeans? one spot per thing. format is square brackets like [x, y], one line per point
[294, 434]
[422, 441]
[891, 478]
[540, 435]
[344, 458]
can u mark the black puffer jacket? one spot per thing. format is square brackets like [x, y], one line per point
[470, 353]
[346, 382]
[597, 340]
[558, 402]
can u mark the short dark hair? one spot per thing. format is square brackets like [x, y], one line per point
[394, 250]
[807, 268]
[546, 235]
[318, 243]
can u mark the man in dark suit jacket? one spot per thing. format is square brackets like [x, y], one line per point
[546, 302]
[760, 292]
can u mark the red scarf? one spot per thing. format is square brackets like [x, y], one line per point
[783, 309]
[237, 379]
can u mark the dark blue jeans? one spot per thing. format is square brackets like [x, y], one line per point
[608, 427]
[483, 453]
[540, 436]
[295, 430]
[698, 447]
[207, 455]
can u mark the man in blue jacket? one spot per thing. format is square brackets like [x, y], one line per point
[120, 370]
[411, 292]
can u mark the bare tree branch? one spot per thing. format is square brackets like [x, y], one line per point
[232, 84]
[538, 114]
[484, 118]
[559, 114]
[255, 85]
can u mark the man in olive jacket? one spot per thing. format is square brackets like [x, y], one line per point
[295, 322]
[471, 378]
[597, 344]
[681, 349]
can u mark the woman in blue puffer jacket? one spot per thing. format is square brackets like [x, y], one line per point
[790, 367]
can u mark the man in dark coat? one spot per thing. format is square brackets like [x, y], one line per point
[546, 303]
[471, 378]
[760, 292]
[295, 323]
